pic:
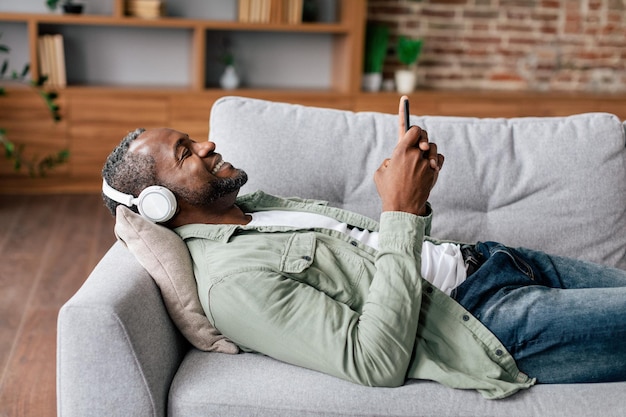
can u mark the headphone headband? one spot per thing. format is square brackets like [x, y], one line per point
[120, 197]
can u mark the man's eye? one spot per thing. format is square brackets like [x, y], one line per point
[184, 154]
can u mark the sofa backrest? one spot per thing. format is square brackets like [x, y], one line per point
[556, 184]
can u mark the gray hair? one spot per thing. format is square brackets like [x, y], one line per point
[128, 172]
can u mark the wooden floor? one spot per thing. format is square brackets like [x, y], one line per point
[48, 246]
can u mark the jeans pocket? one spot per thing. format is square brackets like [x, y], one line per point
[518, 261]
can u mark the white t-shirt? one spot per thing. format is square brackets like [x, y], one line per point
[442, 265]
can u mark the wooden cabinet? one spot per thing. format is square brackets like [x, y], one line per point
[495, 103]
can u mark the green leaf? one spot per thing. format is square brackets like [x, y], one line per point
[4, 48]
[41, 81]
[50, 161]
[9, 149]
[25, 70]
[13, 152]
[409, 50]
[376, 40]
[52, 4]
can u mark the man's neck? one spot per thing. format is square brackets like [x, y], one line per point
[224, 211]
[234, 215]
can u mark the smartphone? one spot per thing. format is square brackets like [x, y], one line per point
[407, 113]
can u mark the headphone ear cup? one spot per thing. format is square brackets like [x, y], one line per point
[157, 204]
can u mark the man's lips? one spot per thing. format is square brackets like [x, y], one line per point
[218, 166]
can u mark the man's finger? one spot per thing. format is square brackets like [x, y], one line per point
[401, 123]
[423, 140]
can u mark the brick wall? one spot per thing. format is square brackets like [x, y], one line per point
[552, 45]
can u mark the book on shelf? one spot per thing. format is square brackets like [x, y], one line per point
[51, 57]
[42, 55]
[270, 11]
[293, 11]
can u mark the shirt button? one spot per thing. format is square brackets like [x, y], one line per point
[353, 243]
[499, 352]
[306, 258]
[466, 317]
[429, 290]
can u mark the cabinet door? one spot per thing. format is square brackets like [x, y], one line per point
[189, 113]
[27, 122]
[99, 121]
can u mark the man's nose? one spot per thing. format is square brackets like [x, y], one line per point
[203, 149]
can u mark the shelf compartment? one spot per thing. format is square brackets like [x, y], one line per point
[261, 59]
[140, 58]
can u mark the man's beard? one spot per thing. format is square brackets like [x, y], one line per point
[213, 190]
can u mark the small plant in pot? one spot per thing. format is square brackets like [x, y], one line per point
[15, 153]
[68, 6]
[229, 79]
[409, 51]
[376, 40]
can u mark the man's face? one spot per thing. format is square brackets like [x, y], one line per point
[191, 170]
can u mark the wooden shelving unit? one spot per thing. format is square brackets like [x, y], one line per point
[96, 117]
[347, 33]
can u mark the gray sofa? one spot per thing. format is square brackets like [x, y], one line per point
[556, 184]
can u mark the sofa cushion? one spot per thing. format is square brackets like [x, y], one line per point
[250, 384]
[554, 183]
[166, 258]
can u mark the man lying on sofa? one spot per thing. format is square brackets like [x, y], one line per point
[340, 293]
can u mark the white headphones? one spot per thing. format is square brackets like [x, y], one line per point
[155, 203]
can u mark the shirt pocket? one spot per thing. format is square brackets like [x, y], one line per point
[333, 270]
[298, 254]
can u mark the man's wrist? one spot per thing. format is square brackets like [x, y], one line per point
[425, 210]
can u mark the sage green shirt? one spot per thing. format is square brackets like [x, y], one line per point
[317, 298]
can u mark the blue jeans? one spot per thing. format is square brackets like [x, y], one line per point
[563, 320]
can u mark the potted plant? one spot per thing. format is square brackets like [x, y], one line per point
[409, 51]
[68, 6]
[36, 166]
[376, 40]
[229, 79]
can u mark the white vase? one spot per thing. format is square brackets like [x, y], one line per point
[406, 79]
[372, 81]
[229, 79]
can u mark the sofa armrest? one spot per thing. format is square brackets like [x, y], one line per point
[117, 349]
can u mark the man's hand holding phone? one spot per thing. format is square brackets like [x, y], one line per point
[404, 181]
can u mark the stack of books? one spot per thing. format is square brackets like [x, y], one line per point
[146, 9]
[270, 11]
[52, 60]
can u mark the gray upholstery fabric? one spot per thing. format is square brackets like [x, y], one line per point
[247, 384]
[117, 348]
[554, 184]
